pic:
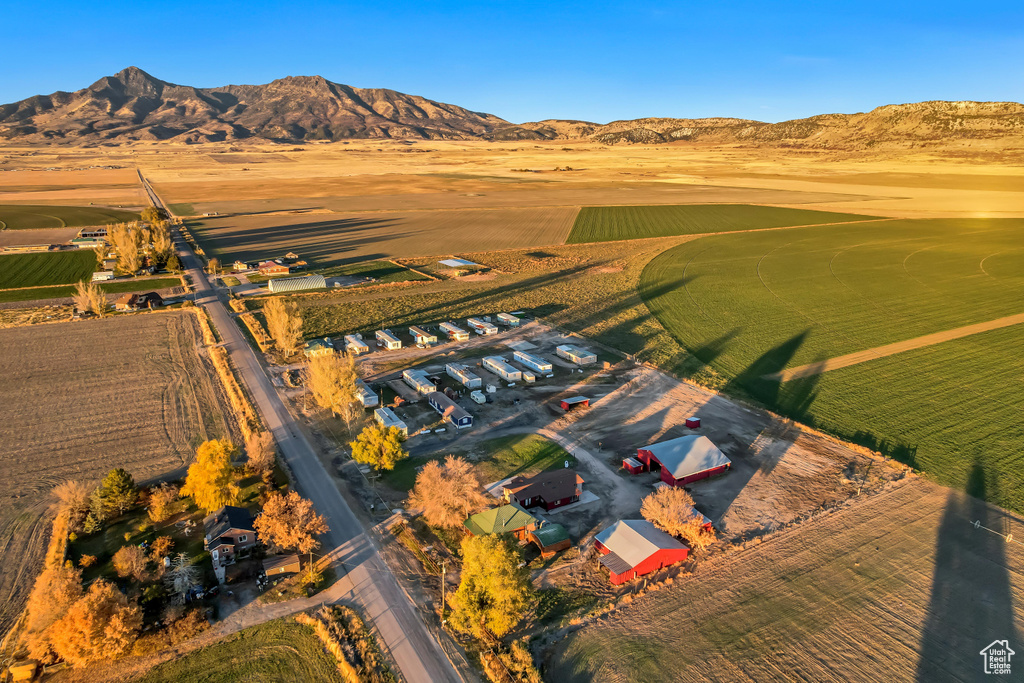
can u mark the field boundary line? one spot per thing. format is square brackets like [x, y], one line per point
[859, 357]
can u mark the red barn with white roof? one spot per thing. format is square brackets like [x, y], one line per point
[686, 459]
[631, 548]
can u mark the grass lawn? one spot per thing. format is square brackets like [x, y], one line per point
[230, 281]
[182, 209]
[275, 652]
[40, 293]
[519, 454]
[607, 223]
[51, 268]
[36, 217]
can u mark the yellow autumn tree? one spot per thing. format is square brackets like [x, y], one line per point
[495, 591]
[210, 481]
[102, 624]
[379, 447]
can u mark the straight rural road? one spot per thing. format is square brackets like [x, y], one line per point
[371, 585]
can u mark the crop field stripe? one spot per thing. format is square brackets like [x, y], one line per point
[40, 269]
[42, 216]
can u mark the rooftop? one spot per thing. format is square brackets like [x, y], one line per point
[551, 486]
[499, 520]
[634, 540]
[687, 455]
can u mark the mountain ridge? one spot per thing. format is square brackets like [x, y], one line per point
[132, 106]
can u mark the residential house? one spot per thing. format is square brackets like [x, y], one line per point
[271, 268]
[507, 519]
[548, 490]
[229, 533]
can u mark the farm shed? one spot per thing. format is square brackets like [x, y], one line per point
[366, 396]
[463, 375]
[80, 242]
[482, 327]
[454, 332]
[508, 320]
[533, 362]
[633, 466]
[318, 347]
[576, 355]
[388, 340]
[101, 275]
[449, 410]
[355, 345]
[507, 519]
[693, 422]
[276, 565]
[458, 263]
[273, 268]
[419, 380]
[548, 490]
[686, 459]
[386, 418]
[550, 538]
[500, 367]
[297, 284]
[575, 402]
[634, 547]
[422, 336]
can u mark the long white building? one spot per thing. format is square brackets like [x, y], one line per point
[386, 418]
[366, 395]
[533, 362]
[482, 327]
[355, 345]
[576, 355]
[454, 332]
[500, 367]
[419, 380]
[463, 375]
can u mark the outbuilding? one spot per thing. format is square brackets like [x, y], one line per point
[297, 284]
[575, 402]
[278, 565]
[101, 275]
[686, 459]
[450, 411]
[631, 548]
[550, 538]
[633, 466]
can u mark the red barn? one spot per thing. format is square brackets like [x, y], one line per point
[686, 459]
[633, 466]
[632, 548]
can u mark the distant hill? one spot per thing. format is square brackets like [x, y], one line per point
[132, 106]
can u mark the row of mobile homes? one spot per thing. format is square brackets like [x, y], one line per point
[422, 336]
[450, 411]
[576, 355]
[454, 332]
[419, 380]
[481, 327]
[498, 366]
[508, 320]
[388, 340]
[365, 395]
[533, 362]
[386, 418]
[463, 375]
[355, 345]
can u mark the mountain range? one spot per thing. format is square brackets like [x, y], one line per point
[134, 106]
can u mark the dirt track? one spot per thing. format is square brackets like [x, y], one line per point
[892, 349]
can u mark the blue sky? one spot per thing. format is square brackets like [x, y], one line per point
[525, 61]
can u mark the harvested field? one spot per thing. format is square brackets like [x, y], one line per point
[897, 586]
[55, 268]
[18, 238]
[109, 188]
[77, 399]
[65, 292]
[40, 217]
[347, 238]
[609, 223]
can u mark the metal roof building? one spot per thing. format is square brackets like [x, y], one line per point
[458, 263]
[500, 367]
[482, 327]
[463, 375]
[297, 284]
[686, 459]
[449, 410]
[508, 319]
[576, 355]
[633, 547]
[454, 332]
[389, 340]
[422, 336]
[366, 395]
[386, 418]
[419, 380]
[533, 362]
[355, 344]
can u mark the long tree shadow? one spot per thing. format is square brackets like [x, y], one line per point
[971, 602]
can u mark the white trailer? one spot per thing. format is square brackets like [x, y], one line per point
[386, 418]
[508, 320]
[388, 340]
[500, 367]
[355, 345]
[576, 355]
[478, 396]
[365, 395]
[533, 362]
[482, 328]
[529, 377]
[454, 332]
[419, 380]
[422, 336]
[463, 375]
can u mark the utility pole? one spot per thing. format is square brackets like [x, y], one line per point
[444, 564]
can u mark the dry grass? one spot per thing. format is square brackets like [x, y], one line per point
[75, 402]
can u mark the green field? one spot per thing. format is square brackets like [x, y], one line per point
[36, 217]
[753, 304]
[52, 268]
[40, 293]
[608, 223]
[276, 652]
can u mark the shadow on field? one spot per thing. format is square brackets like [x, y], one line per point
[971, 601]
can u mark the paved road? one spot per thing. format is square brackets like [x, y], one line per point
[367, 580]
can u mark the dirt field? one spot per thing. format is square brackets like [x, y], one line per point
[77, 400]
[897, 586]
[15, 238]
[99, 186]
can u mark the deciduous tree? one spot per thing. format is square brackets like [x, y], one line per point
[284, 324]
[131, 561]
[290, 522]
[495, 591]
[161, 501]
[210, 481]
[73, 502]
[213, 266]
[127, 240]
[260, 452]
[181, 578]
[55, 590]
[378, 446]
[99, 625]
[447, 493]
[331, 379]
[90, 298]
[152, 214]
[671, 509]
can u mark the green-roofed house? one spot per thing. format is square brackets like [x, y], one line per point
[551, 539]
[506, 519]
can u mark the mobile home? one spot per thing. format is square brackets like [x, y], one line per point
[576, 355]
[388, 340]
[498, 366]
[533, 362]
[508, 320]
[481, 327]
[386, 418]
[454, 332]
[419, 380]
[463, 375]
[450, 411]
[355, 345]
[422, 336]
[365, 395]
